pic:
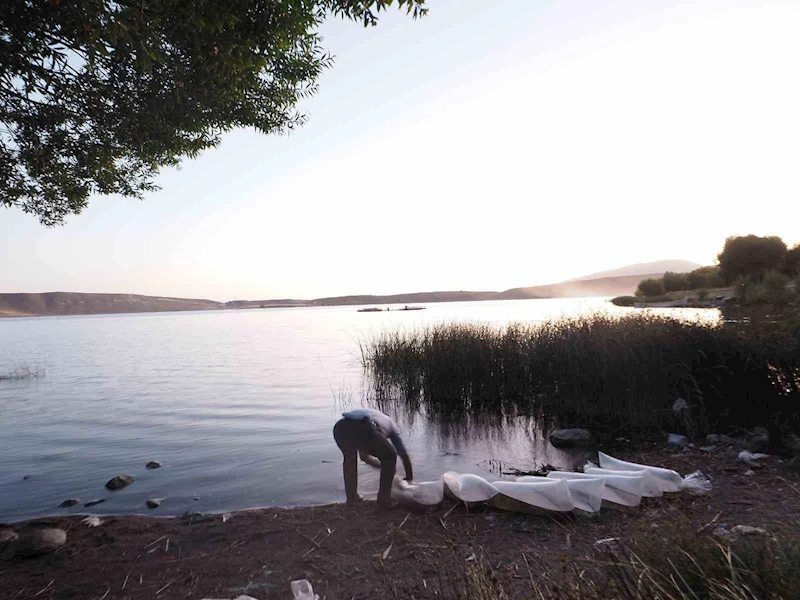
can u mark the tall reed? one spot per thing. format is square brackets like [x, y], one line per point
[603, 371]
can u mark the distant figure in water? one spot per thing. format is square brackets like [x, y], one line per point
[369, 433]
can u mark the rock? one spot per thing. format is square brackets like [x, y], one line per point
[94, 502]
[677, 441]
[712, 438]
[708, 448]
[792, 465]
[8, 535]
[70, 502]
[724, 533]
[153, 503]
[119, 482]
[153, 464]
[748, 530]
[41, 541]
[757, 443]
[792, 443]
[571, 438]
[26, 477]
[761, 430]
[680, 404]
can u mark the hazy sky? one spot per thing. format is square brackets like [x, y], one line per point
[491, 145]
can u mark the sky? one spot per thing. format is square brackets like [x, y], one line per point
[489, 145]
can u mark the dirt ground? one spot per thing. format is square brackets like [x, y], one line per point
[359, 553]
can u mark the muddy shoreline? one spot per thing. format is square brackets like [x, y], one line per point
[365, 553]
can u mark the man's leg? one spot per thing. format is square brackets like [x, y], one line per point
[381, 448]
[345, 435]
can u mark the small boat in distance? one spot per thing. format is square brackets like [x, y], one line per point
[412, 308]
[373, 309]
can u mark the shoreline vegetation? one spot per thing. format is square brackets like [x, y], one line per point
[615, 375]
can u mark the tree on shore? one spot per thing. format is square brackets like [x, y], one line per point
[751, 256]
[792, 261]
[96, 97]
[650, 287]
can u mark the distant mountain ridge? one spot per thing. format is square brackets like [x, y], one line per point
[72, 303]
[645, 269]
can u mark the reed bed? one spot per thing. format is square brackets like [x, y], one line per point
[608, 372]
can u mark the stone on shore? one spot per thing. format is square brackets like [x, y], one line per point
[153, 503]
[572, 438]
[8, 535]
[40, 541]
[153, 464]
[119, 482]
[69, 502]
[677, 441]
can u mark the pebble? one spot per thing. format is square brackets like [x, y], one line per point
[119, 482]
[153, 503]
[153, 464]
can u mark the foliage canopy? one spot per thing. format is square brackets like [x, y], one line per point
[751, 256]
[96, 96]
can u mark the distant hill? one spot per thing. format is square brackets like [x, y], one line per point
[68, 303]
[617, 282]
[645, 270]
[580, 288]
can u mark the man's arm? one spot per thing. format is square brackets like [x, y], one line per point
[370, 460]
[407, 466]
[401, 451]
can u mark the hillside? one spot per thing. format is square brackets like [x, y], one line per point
[67, 303]
[645, 269]
[579, 288]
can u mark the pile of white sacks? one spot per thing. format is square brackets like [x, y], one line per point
[614, 482]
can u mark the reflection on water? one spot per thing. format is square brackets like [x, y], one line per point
[238, 405]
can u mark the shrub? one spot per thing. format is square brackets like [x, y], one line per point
[624, 301]
[650, 287]
[674, 282]
[775, 288]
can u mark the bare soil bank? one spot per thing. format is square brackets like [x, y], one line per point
[361, 553]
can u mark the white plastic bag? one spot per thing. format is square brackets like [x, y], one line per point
[302, 590]
[618, 489]
[750, 457]
[696, 483]
[651, 487]
[669, 480]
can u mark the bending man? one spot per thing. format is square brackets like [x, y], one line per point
[374, 436]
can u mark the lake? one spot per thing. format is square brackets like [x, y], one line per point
[238, 405]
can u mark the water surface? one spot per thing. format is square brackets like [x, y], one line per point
[238, 405]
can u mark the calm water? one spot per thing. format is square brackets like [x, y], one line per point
[238, 405]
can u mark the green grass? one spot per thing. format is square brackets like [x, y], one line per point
[604, 372]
